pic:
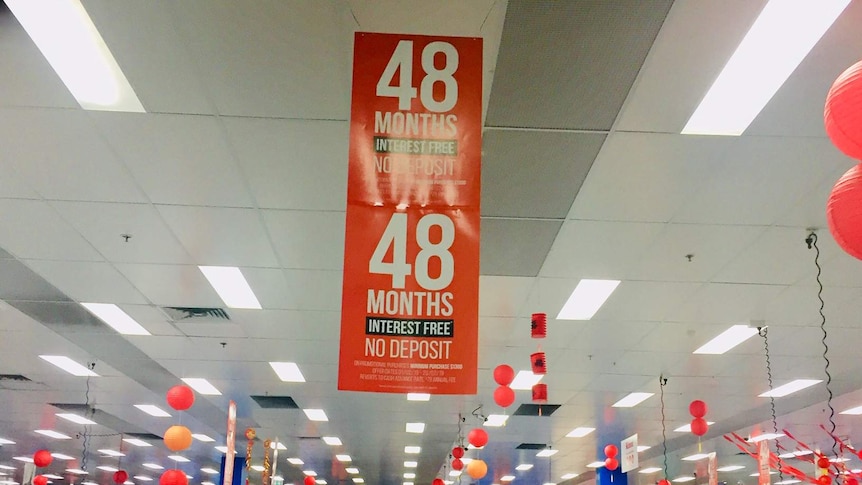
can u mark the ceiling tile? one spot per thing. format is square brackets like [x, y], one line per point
[503, 296]
[104, 283]
[307, 240]
[172, 285]
[40, 233]
[515, 247]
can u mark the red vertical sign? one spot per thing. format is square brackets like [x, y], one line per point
[409, 315]
[763, 463]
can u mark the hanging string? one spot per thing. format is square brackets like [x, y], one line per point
[663, 382]
[762, 331]
[90, 412]
[811, 240]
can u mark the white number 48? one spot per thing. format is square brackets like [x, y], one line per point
[402, 63]
[395, 236]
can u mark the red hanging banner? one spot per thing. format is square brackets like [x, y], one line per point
[410, 300]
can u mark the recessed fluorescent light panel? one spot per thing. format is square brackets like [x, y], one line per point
[221, 448]
[69, 365]
[178, 458]
[211, 471]
[76, 471]
[287, 371]
[332, 440]
[682, 479]
[231, 286]
[455, 473]
[352, 470]
[153, 466]
[569, 476]
[343, 458]
[730, 468]
[75, 418]
[418, 396]
[409, 476]
[686, 428]
[412, 450]
[790, 387]
[633, 399]
[137, 442]
[61, 456]
[4, 441]
[410, 464]
[643, 448]
[295, 461]
[73, 47]
[107, 468]
[310, 473]
[496, 420]
[315, 414]
[153, 410]
[764, 436]
[25, 459]
[202, 386]
[415, 427]
[525, 380]
[257, 468]
[595, 464]
[143, 478]
[853, 411]
[116, 318]
[727, 340]
[507, 478]
[580, 432]
[108, 452]
[53, 434]
[204, 438]
[523, 467]
[651, 469]
[587, 298]
[546, 453]
[278, 445]
[358, 480]
[695, 457]
[778, 41]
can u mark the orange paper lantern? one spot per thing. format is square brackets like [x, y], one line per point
[178, 438]
[477, 469]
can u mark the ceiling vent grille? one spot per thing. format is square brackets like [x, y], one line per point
[13, 377]
[540, 410]
[194, 314]
[275, 402]
[531, 446]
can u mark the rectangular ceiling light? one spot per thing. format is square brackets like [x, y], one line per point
[788, 481]
[525, 380]
[524, 467]
[418, 396]
[546, 453]
[231, 286]
[757, 474]
[25, 459]
[295, 461]
[727, 340]
[569, 476]
[137, 442]
[358, 480]
[202, 386]
[455, 473]
[344, 458]
[695, 457]
[153, 410]
[221, 448]
[595, 464]
[315, 414]
[61, 456]
[153, 466]
[287, 371]
[73, 47]
[412, 450]
[211, 471]
[53, 476]
[69, 365]
[409, 476]
[853, 411]
[415, 427]
[633, 399]
[790, 387]
[586, 299]
[53, 434]
[116, 318]
[143, 478]
[507, 478]
[410, 464]
[309, 473]
[683, 479]
[4, 441]
[332, 440]
[278, 445]
[178, 458]
[496, 420]
[643, 448]
[580, 432]
[778, 41]
[651, 469]
[108, 452]
[75, 418]
[6, 467]
[206, 439]
[257, 468]
[730, 468]
[686, 428]
[107, 468]
[320, 481]
[352, 470]
[764, 436]
[76, 471]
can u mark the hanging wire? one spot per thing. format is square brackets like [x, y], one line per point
[811, 240]
[663, 382]
[762, 331]
[90, 412]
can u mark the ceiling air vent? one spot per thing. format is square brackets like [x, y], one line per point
[275, 402]
[531, 446]
[180, 314]
[143, 436]
[13, 377]
[542, 410]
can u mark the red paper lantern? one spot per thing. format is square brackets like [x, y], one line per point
[540, 393]
[851, 481]
[824, 480]
[504, 374]
[842, 114]
[173, 477]
[823, 462]
[42, 458]
[538, 363]
[539, 325]
[699, 426]
[611, 464]
[180, 398]
[664, 481]
[120, 476]
[697, 408]
[437, 481]
[859, 453]
[843, 212]
[477, 437]
[457, 464]
[477, 469]
[504, 396]
[309, 481]
[611, 451]
[457, 452]
[178, 438]
[40, 480]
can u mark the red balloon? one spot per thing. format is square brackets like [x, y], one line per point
[477, 437]
[180, 398]
[504, 374]
[457, 464]
[843, 214]
[437, 481]
[40, 480]
[173, 477]
[611, 451]
[824, 480]
[823, 462]
[120, 476]
[664, 481]
[42, 458]
[842, 114]
[611, 464]
[851, 481]
[697, 408]
[699, 427]
[504, 396]
[309, 481]
[457, 452]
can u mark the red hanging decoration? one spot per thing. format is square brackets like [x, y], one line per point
[843, 212]
[842, 115]
[697, 408]
[173, 477]
[540, 393]
[437, 481]
[824, 480]
[180, 398]
[40, 480]
[42, 458]
[611, 451]
[664, 481]
[538, 363]
[539, 325]
[823, 462]
[477, 437]
[699, 426]
[457, 452]
[851, 481]
[309, 481]
[477, 469]
[120, 476]
[457, 464]
[504, 396]
[177, 438]
[504, 374]
[611, 464]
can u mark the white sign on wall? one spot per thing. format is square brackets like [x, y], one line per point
[629, 449]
